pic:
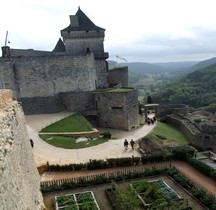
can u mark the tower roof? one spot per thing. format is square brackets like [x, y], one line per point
[60, 46]
[83, 23]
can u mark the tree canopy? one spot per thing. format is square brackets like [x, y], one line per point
[197, 89]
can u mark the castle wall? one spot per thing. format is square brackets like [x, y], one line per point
[82, 46]
[118, 76]
[20, 181]
[42, 105]
[200, 140]
[118, 109]
[164, 110]
[79, 102]
[102, 71]
[49, 75]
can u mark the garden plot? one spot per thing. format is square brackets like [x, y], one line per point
[166, 190]
[156, 193]
[77, 201]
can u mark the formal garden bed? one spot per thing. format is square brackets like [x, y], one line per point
[193, 190]
[124, 186]
[77, 201]
[146, 194]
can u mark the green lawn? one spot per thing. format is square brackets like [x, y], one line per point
[167, 133]
[69, 142]
[73, 123]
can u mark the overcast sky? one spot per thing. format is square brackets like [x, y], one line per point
[138, 30]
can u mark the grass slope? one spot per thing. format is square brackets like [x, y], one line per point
[70, 143]
[168, 134]
[73, 123]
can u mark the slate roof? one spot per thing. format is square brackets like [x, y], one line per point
[84, 23]
[60, 46]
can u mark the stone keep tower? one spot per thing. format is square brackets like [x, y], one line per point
[83, 36]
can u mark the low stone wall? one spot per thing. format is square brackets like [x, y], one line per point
[118, 76]
[90, 134]
[164, 110]
[5, 97]
[200, 140]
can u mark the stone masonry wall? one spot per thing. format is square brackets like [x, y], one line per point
[102, 71]
[79, 102]
[118, 76]
[118, 109]
[200, 140]
[48, 75]
[20, 181]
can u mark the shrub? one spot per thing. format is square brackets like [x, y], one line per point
[182, 152]
[96, 164]
[136, 160]
[156, 157]
[111, 162]
[106, 135]
[124, 161]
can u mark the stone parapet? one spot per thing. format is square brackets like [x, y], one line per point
[20, 181]
[5, 97]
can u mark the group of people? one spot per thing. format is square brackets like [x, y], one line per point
[150, 121]
[126, 143]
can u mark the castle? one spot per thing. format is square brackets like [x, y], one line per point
[73, 77]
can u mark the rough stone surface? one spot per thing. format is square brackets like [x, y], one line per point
[119, 109]
[118, 77]
[20, 181]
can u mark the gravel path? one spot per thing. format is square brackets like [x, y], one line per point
[114, 148]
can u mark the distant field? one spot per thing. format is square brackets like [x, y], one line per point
[144, 82]
[167, 133]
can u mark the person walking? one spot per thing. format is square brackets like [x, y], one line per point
[126, 144]
[132, 144]
[32, 143]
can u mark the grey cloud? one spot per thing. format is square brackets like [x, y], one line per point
[201, 44]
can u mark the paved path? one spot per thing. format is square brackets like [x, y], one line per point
[44, 152]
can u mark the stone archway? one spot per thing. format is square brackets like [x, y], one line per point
[152, 108]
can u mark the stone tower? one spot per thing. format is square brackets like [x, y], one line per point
[82, 36]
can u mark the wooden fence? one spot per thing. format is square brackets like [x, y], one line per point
[106, 175]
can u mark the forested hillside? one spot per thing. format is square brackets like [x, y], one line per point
[197, 89]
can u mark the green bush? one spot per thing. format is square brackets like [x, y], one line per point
[127, 161]
[156, 157]
[106, 135]
[96, 164]
[111, 162]
[136, 160]
[183, 152]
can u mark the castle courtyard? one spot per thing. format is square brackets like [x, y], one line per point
[114, 148]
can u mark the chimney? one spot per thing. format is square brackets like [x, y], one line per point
[74, 21]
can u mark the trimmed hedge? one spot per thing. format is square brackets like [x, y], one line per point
[183, 152]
